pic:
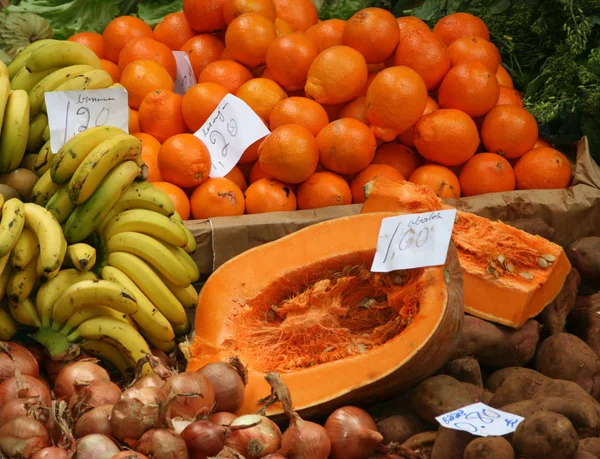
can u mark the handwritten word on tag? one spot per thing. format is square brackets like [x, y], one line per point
[229, 130]
[185, 78]
[72, 112]
[413, 241]
[481, 420]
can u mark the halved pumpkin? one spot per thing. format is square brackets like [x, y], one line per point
[308, 307]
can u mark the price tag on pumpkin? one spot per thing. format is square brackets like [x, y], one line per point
[72, 112]
[481, 420]
[413, 241]
[229, 130]
[185, 78]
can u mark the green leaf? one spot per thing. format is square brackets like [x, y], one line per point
[154, 12]
[430, 10]
[340, 9]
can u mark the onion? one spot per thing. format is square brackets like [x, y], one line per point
[12, 354]
[96, 446]
[228, 453]
[150, 380]
[23, 437]
[228, 381]
[88, 396]
[80, 372]
[353, 433]
[37, 350]
[163, 358]
[162, 444]
[137, 411]
[222, 418]
[51, 452]
[204, 439]
[190, 395]
[97, 420]
[256, 441]
[178, 424]
[26, 406]
[129, 455]
[24, 387]
[274, 456]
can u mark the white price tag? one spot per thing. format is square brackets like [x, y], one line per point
[413, 241]
[72, 112]
[185, 73]
[229, 130]
[481, 420]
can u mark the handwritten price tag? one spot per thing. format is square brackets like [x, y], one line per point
[72, 112]
[185, 73]
[481, 420]
[413, 241]
[229, 130]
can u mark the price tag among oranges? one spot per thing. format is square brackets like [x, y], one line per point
[185, 73]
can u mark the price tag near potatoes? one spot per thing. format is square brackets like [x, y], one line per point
[413, 241]
[72, 112]
[481, 420]
[229, 130]
[185, 78]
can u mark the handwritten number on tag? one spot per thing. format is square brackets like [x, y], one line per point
[84, 119]
[216, 137]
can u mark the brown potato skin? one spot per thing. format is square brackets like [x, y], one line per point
[584, 320]
[554, 316]
[438, 395]
[546, 435]
[584, 254]
[489, 448]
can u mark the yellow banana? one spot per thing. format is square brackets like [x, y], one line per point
[62, 54]
[4, 93]
[21, 283]
[26, 80]
[15, 131]
[147, 222]
[60, 205]
[24, 312]
[190, 246]
[25, 249]
[43, 159]
[4, 264]
[83, 314]
[188, 296]
[186, 261]
[144, 195]
[117, 85]
[44, 189]
[46, 134]
[8, 326]
[91, 79]
[109, 353]
[3, 70]
[43, 275]
[35, 140]
[11, 224]
[99, 162]
[4, 281]
[81, 256]
[183, 329]
[49, 234]
[19, 62]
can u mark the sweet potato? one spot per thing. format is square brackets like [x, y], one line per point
[421, 443]
[584, 254]
[546, 435]
[438, 395]
[497, 346]
[565, 356]
[450, 444]
[591, 445]
[534, 225]
[581, 414]
[554, 316]
[516, 387]
[400, 427]
[584, 320]
[465, 369]
[497, 378]
[489, 448]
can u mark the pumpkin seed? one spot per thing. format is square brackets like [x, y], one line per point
[398, 279]
[490, 269]
[496, 274]
[549, 257]
[525, 275]
[501, 259]
[509, 267]
[543, 263]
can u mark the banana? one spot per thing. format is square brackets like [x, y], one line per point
[8, 326]
[4, 264]
[15, 131]
[25, 249]
[21, 283]
[4, 281]
[116, 85]
[190, 246]
[28, 161]
[188, 296]
[101, 328]
[3, 70]
[19, 62]
[26, 80]
[60, 205]
[50, 83]
[62, 54]
[109, 353]
[75, 150]
[186, 261]
[4, 92]
[81, 256]
[11, 224]
[83, 314]
[43, 160]
[49, 234]
[91, 79]
[44, 189]
[24, 312]
[50, 291]
[150, 284]
[86, 217]
[37, 126]
[46, 134]
[183, 329]
[43, 275]
[151, 251]
[147, 222]
[90, 293]
[165, 346]
[99, 162]
[150, 320]
[144, 195]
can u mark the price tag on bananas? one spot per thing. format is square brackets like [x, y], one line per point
[72, 112]
[413, 241]
[185, 78]
[229, 130]
[481, 420]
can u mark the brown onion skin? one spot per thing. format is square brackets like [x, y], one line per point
[228, 453]
[51, 452]
[23, 437]
[129, 455]
[79, 372]
[24, 360]
[94, 395]
[204, 439]
[305, 440]
[162, 444]
[257, 441]
[151, 380]
[228, 385]
[10, 388]
[222, 418]
[274, 456]
[162, 356]
[137, 411]
[189, 407]
[95, 421]
[353, 433]
[96, 446]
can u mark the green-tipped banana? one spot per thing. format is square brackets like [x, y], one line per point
[19, 62]
[60, 205]
[44, 189]
[62, 54]
[147, 222]
[4, 93]
[49, 234]
[21, 283]
[26, 80]
[25, 249]
[81, 256]
[15, 131]
[43, 160]
[37, 126]
[46, 134]
[11, 224]
[3, 70]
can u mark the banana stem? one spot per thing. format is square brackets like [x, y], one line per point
[55, 343]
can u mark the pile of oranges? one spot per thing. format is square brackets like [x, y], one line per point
[345, 101]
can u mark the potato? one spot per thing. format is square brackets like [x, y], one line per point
[450, 444]
[554, 316]
[489, 448]
[400, 427]
[564, 389]
[438, 395]
[590, 445]
[516, 387]
[584, 254]
[582, 415]
[465, 369]
[546, 435]
[476, 392]
[497, 346]
[565, 356]
[584, 320]
[584, 455]
[421, 443]
[498, 377]
[533, 225]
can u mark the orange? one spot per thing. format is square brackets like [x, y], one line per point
[402, 158]
[248, 38]
[356, 109]
[261, 95]
[269, 195]
[337, 75]
[540, 142]
[174, 30]
[217, 197]
[199, 102]
[440, 179]
[323, 189]
[504, 77]
[184, 160]
[370, 77]
[205, 15]
[486, 173]
[301, 111]
[251, 153]
[407, 24]
[178, 196]
[92, 40]
[374, 32]
[230, 74]
[346, 146]
[226, 56]
[202, 50]
[395, 101]
[160, 115]
[447, 137]
[326, 34]
[150, 49]
[458, 25]
[282, 27]
[118, 33]
[509, 130]
[142, 77]
[542, 168]
[134, 121]
[299, 14]
[369, 174]
[423, 52]
[290, 153]
[112, 69]
[509, 96]
[475, 48]
[237, 176]
[471, 87]
[150, 149]
[332, 110]
[407, 137]
[257, 173]
[288, 59]
[235, 8]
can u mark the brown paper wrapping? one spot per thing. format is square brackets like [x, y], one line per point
[573, 213]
